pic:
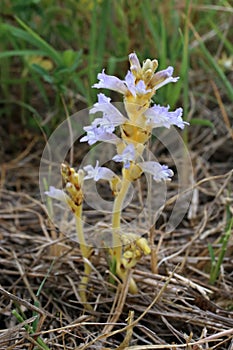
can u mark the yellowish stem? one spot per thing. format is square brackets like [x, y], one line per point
[117, 209]
[117, 243]
[85, 251]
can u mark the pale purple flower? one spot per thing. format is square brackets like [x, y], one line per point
[141, 88]
[55, 193]
[110, 82]
[158, 80]
[134, 62]
[111, 115]
[135, 89]
[126, 156]
[159, 172]
[98, 173]
[158, 116]
[164, 77]
[99, 133]
[123, 86]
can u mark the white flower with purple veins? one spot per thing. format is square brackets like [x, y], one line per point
[123, 86]
[55, 193]
[99, 133]
[135, 89]
[110, 82]
[111, 115]
[159, 172]
[158, 116]
[164, 77]
[135, 65]
[158, 80]
[126, 156]
[98, 173]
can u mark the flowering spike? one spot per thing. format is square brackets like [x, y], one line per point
[73, 182]
[134, 130]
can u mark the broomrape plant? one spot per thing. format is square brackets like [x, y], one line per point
[133, 133]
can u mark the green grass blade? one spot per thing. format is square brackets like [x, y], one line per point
[92, 49]
[213, 63]
[28, 328]
[216, 265]
[228, 45]
[202, 122]
[36, 40]
[100, 50]
[13, 53]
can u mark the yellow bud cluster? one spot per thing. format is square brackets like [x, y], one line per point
[72, 182]
[134, 248]
[137, 130]
[145, 72]
[136, 105]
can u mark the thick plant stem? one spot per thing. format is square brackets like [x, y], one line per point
[117, 243]
[85, 253]
[116, 222]
[116, 216]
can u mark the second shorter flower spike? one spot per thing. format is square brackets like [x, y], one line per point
[72, 182]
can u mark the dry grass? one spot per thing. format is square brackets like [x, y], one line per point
[176, 306]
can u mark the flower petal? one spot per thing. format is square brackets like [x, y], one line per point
[55, 193]
[98, 173]
[126, 156]
[99, 133]
[141, 88]
[158, 116]
[111, 114]
[135, 65]
[138, 88]
[110, 82]
[130, 82]
[159, 172]
[163, 77]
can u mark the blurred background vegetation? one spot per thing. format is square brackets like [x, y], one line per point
[51, 53]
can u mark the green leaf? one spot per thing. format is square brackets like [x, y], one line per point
[71, 59]
[211, 252]
[112, 268]
[218, 70]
